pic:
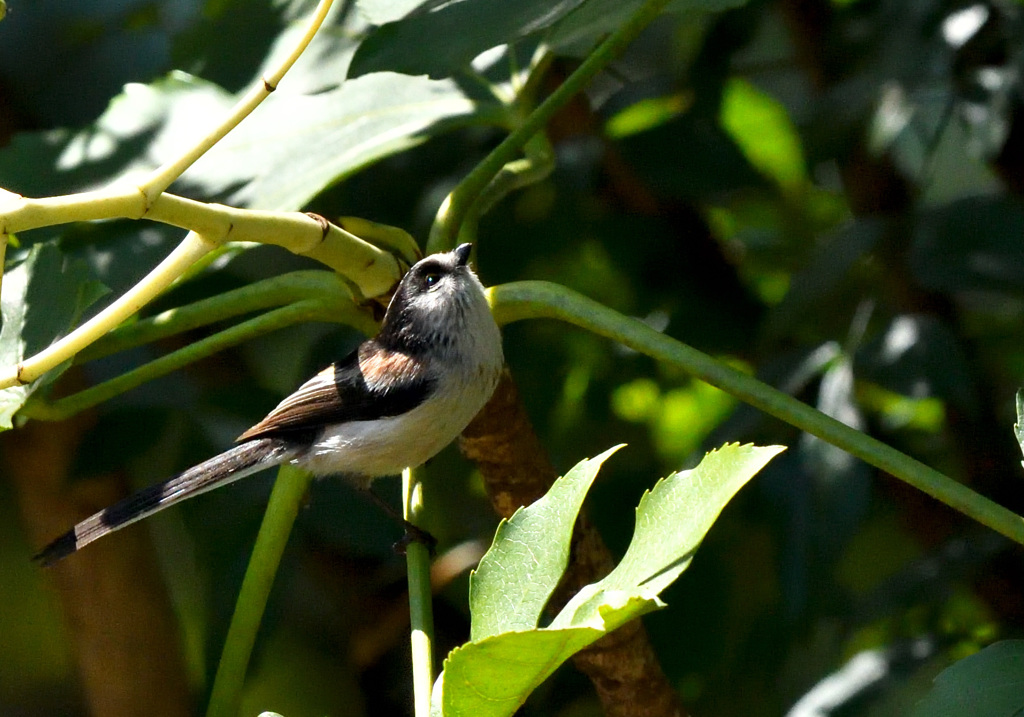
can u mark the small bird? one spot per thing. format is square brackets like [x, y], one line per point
[394, 402]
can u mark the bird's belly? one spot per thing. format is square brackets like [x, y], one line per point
[366, 450]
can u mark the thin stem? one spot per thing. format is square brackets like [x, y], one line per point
[303, 311]
[539, 299]
[458, 204]
[285, 500]
[191, 249]
[163, 176]
[276, 291]
[421, 616]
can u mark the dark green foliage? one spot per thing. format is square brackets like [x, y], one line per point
[826, 194]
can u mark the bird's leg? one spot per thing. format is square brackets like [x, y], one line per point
[412, 534]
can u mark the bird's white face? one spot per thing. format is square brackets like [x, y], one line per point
[441, 303]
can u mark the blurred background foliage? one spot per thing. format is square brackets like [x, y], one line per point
[825, 193]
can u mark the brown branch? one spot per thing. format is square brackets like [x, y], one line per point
[623, 667]
[125, 636]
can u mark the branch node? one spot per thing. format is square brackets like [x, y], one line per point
[325, 226]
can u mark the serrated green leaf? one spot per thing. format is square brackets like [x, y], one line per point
[671, 521]
[42, 298]
[492, 676]
[442, 37]
[516, 577]
[989, 683]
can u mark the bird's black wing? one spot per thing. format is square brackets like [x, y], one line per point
[370, 383]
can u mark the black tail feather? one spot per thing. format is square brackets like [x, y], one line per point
[233, 464]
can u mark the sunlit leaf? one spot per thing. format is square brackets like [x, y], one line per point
[493, 675]
[295, 146]
[516, 577]
[671, 521]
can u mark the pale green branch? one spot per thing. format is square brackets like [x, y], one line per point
[303, 311]
[280, 290]
[374, 270]
[191, 249]
[421, 616]
[539, 299]
[163, 176]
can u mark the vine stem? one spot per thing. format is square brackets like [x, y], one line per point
[540, 299]
[191, 249]
[459, 204]
[285, 500]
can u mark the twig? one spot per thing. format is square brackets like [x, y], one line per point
[540, 299]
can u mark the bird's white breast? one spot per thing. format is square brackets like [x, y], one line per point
[364, 450]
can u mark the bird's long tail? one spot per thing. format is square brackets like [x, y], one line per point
[231, 465]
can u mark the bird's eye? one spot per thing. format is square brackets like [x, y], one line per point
[431, 279]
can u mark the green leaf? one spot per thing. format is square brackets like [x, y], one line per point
[379, 12]
[583, 27]
[671, 521]
[514, 580]
[42, 298]
[989, 683]
[443, 36]
[760, 125]
[294, 146]
[291, 148]
[492, 676]
[140, 128]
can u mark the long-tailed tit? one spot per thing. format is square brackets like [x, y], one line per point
[394, 402]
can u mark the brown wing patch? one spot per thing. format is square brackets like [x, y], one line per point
[382, 368]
